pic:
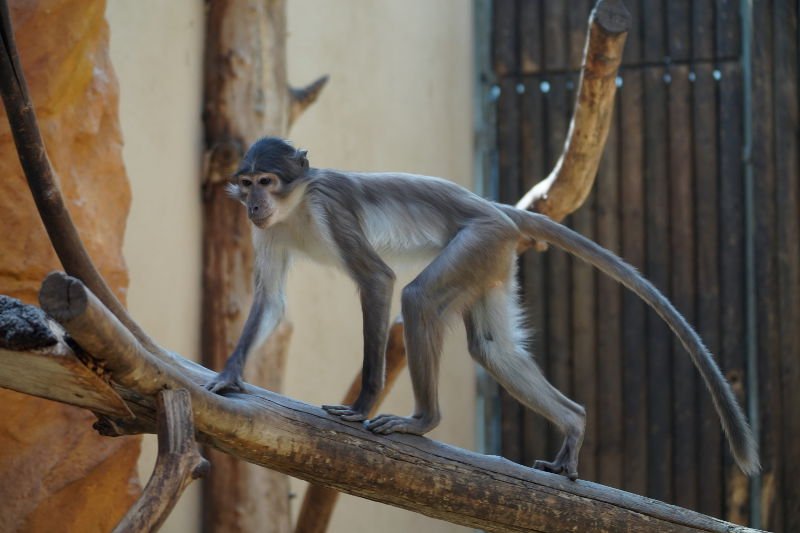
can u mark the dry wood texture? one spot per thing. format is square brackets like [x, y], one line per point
[319, 502]
[246, 96]
[568, 185]
[178, 463]
[406, 471]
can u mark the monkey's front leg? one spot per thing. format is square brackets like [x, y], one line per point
[264, 315]
[376, 292]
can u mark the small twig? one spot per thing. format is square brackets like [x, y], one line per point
[179, 463]
[300, 99]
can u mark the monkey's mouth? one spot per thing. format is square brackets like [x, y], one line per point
[260, 222]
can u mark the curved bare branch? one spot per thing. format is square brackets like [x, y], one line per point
[42, 179]
[178, 463]
[570, 182]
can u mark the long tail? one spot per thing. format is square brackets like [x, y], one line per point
[734, 423]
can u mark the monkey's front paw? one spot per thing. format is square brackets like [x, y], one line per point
[345, 412]
[225, 383]
[385, 424]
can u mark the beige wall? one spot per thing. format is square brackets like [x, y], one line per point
[156, 50]
[399, 99]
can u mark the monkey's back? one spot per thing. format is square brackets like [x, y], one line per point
[402, 213]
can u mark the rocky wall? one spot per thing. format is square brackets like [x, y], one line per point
[57, 473]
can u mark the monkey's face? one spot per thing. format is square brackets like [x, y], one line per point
[267, 198]
[257, 192]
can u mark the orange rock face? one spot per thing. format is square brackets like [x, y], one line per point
[57, 473]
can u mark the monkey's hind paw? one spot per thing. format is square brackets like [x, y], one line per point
[556, 468]
[386, 424]
[345, 412]
[223, 383]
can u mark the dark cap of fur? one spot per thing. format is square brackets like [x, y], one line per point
[274, 155]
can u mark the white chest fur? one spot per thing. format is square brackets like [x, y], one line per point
[395, 234]
[395, 231]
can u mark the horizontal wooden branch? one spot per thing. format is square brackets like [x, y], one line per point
[50, 368]
[410, 472]
[318, 502]
[178, 463]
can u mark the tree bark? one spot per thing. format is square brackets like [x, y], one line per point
[410, 472]
[569, 183]
[179, 463]
[246, 96]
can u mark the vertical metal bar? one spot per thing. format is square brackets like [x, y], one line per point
[746, 11]
[486, 183]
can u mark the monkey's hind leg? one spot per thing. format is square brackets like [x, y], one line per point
[463, 271]
[496, 340]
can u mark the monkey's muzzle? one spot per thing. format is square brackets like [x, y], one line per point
[258, 215]
[260, 222]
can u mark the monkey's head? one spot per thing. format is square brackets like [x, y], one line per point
[269, 181]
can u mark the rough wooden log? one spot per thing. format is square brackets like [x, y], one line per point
[565, 189]
[410, 472]
[178, 463]
[246, 96]
[51, 369]
[318, 502]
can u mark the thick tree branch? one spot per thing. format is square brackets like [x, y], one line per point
[178, 463]
[406, 471]
[319, 502]
[51, 369]
[570, 182]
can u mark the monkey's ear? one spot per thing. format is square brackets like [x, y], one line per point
[302, 159]
[233, 190]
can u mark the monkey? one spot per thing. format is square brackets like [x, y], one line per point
[364, 222]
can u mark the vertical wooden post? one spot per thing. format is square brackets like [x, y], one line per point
[246, 96]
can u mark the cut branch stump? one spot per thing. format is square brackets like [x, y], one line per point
[564, 190]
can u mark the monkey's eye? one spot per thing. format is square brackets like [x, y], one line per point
[264, 181]
[246, 182]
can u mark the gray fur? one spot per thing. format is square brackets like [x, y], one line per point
[365, 223]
